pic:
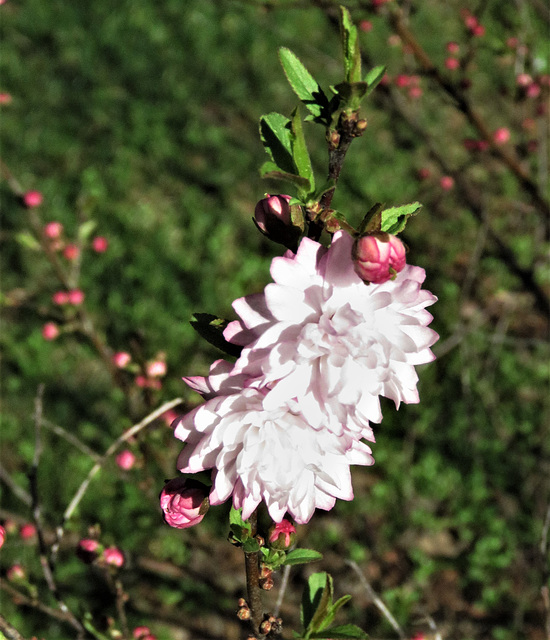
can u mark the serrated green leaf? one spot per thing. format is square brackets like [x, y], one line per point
[276, 134]
[373, 78]
[350, 45]
[305, 86]
[211, 328]
[342, 631]
[27, 240]
[302, 556]
[271, 171]
[300, 154]
[395, 218]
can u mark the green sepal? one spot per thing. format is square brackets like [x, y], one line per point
[342, 631]
[395, 219]
[373, 77]
[271, 170]
[305, 86]
[251, 545]
[276, 135]
[240, 529]
[350, 45]
[300, 154]
[211, 328]
[302, 556]
[372, 221]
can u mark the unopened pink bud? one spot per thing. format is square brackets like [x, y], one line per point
[100, 244]
[60, 297]
[142, 633]
[452, 47]
[5, 98]
[452, 63]
[447, 183]
[32, 199]
[512, 42]
[76, 297]
[523, 80]
[169, 417]
[415, 93]
[27, 531]
[2, 536]
[272, 207]
[533, 90]
[377, 258]
[113, 556]
[156, 369]
[501, 136]
[184, 502]
[423, 173]
[50, 331]
[141, 381]
[121, 359]
[365, 26]
[88, 550]
[402, 80]
[53, 230]
[125, 459]
[71, 252]
[478, 31]
[15, 573]
[282, 535]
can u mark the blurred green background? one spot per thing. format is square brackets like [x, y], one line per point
[141, 119]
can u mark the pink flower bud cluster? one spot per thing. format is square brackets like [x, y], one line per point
[73, 297]
[411, 83]
[472, 23]
[378, 257]
[90, 550]
[184, 502]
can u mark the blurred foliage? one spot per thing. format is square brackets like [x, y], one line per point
[142, 118]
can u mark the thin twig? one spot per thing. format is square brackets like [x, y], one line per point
[376, 599]
[70, 437]
[47, 565]
[9, 631]
[129, 433]
[23, 495]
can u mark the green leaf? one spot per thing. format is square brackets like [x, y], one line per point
[300, 154]
[271, 170]
[342, 631]
[27, 240]
[276, 136]
[373, 77]
[351, 94]
[305, 86]
[251, 545]
[211, 328]
[350, 45]
[333, 611]
[302, 556]
[372, 220]
[311, 597]
[395, 219]
[235, 517]
[86, 229]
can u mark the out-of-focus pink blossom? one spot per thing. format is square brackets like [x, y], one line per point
[15, 573]
[478, 31]
[71, 251]
[169, 417]
[446, 183]
[2, 536]
[32, 199]
[282, 534]
[5, 98]
[379, 257]
[452, 63]
[60, 297]
[125, 459]
[365, 26]
[402, 80]
[88, 550]
[100, 244]
[141, 381]
[113, 557]
[512, 42]
[501, 136]
[415, 92]
[452, 47]
[53, 230]
[156, 369]
[423, 173]
[523, 80]
[50, 331]
[27, 531]
[533, 90]
[184, 502]
[121, 359]
[143, 633]
[76, 297]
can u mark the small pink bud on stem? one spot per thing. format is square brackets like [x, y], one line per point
[280, 221]
[32, 199]
[282, 535]
[184, 502]
[378, 257]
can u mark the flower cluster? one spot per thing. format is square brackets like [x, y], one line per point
[284, 422]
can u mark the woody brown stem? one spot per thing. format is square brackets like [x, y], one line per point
[253, 581]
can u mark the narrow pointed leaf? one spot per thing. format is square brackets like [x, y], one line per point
[300, 154]
[333, 611]
[304, 85]
[323, 608]
[350, 45]
[343, 631]
[311, 597]
[277, 139]
[395, 219]
[373, 78]
[211, 328]
[302, 556]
